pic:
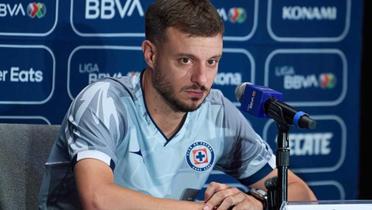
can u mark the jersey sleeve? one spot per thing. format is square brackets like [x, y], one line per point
[95, 123]
[246, 156]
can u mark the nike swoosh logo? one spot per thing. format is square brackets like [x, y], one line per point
[137, 152]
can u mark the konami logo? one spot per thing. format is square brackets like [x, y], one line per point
[309, 13]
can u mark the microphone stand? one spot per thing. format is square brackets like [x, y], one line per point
[282, 154]
[282, 163]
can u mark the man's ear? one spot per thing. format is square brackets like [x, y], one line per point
[149, 53]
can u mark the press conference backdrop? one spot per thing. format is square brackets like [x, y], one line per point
[309, 50]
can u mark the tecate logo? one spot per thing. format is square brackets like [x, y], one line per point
[36, 10]
[307, 144]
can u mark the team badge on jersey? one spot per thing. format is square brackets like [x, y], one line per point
[200, 156]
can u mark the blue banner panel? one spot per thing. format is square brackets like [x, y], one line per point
[88, 64]
[37, 73]
[308, 50]
[28, 18]
[293, 20]
[326, 145]
[108, 18]
[319, 72]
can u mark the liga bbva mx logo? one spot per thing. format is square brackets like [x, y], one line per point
[33, 9]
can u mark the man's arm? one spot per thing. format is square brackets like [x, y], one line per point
[97, 190]
[225, 197]
[297, 188]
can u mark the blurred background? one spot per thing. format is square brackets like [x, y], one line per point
[314, 52]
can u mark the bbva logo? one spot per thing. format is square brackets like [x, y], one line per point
[108, 9]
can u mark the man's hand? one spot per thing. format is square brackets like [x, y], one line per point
[224, 197]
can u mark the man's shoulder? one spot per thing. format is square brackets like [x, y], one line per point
[217, 101]
[122, 86]
[124, 82]
[215, 96]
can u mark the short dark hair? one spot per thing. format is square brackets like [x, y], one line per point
[194, 17]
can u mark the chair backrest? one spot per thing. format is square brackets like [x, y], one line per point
[24, 148]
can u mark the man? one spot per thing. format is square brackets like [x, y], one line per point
[148, 141]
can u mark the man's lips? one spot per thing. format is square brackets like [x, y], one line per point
[195, 93]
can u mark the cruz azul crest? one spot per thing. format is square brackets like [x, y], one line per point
[200, 156]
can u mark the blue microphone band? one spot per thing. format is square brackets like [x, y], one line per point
[297, 117]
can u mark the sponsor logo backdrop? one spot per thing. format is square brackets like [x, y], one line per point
[309, 50]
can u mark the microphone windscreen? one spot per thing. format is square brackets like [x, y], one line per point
[253, 98]
[239, 90]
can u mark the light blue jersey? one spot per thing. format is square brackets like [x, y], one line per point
[109, 121]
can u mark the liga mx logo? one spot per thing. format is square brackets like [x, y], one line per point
[237, 15]
[327, 80]
[36, 10]
[200, 156]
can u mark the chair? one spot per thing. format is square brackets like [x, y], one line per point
[24, 148]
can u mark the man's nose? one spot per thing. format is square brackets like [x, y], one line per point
[199, 75]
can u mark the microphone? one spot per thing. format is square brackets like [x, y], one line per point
[262, 101]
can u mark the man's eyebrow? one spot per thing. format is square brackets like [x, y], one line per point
[217, 57]
[185, 55]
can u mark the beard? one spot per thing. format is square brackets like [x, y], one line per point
[164, 88]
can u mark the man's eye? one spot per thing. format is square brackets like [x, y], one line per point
[212, 62]
[185, 60]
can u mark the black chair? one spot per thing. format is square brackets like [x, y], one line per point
[24, 148]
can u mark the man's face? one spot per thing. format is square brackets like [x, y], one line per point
[185, 68]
